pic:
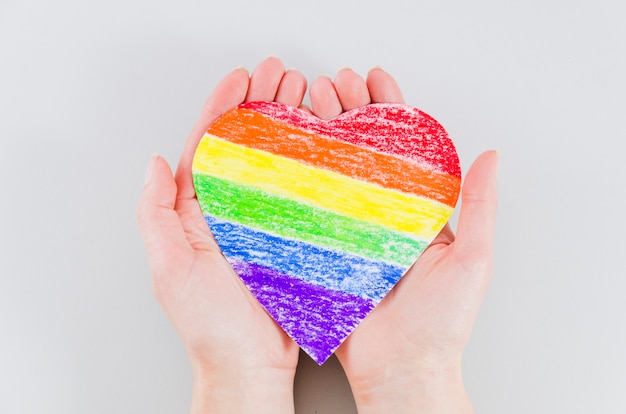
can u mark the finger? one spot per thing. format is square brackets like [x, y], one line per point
[477, 218]
[291, 89]
[230, 92]
[305, 108]
[265, 80]
[383, 87]
[159, 225]
[351, 89]
[445, 236]
[324, 100]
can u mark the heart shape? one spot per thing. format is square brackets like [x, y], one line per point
[320, 219]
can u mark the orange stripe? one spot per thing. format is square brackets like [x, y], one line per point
[251, 129]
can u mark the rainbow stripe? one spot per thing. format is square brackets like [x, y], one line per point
[321, 219]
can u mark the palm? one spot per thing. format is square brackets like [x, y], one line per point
[214, 313]
[218, 319]
[427, 318]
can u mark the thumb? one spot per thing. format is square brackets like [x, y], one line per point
[477, 218]
[159, 224]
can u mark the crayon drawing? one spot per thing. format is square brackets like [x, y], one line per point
[321, 219]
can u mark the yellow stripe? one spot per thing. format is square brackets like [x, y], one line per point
[326, 189]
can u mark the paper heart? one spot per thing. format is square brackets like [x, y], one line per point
[320, 219]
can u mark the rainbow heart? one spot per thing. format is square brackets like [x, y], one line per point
[320, 219]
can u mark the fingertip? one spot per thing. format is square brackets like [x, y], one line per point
[158, 173]
[494, 153]
[292, 88]
[265, 80]
[376, 72]
[383, 87]
[159, 189]
[344, 69]
[351, 89]
[497, 155]
[273, 59]
[325, 103]
[374, 68]
[150, 168]
[479, 200]
[155, 171]
[483, 170]
[242, 68]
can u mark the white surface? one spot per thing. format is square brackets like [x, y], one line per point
[88, 90]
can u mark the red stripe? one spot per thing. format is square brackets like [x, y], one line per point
[389, 128]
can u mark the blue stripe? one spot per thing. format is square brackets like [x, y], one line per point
[332, 269]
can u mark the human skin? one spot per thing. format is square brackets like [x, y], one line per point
[241, 360]
[405, 356]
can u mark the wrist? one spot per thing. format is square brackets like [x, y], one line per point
[409, 388]
[238, 389]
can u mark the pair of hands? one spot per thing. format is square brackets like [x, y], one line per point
[405, 356]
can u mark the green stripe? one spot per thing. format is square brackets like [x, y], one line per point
[287, 218]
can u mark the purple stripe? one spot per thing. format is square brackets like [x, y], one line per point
[317, 318]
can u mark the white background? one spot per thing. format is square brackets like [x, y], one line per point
[88, 90]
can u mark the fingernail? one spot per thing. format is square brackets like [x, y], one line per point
[242, 68]
[150, 168]
[374, 68]
[345, 68]
[497, 152]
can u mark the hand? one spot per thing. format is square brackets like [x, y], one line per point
[406, 355]
[241, 360]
